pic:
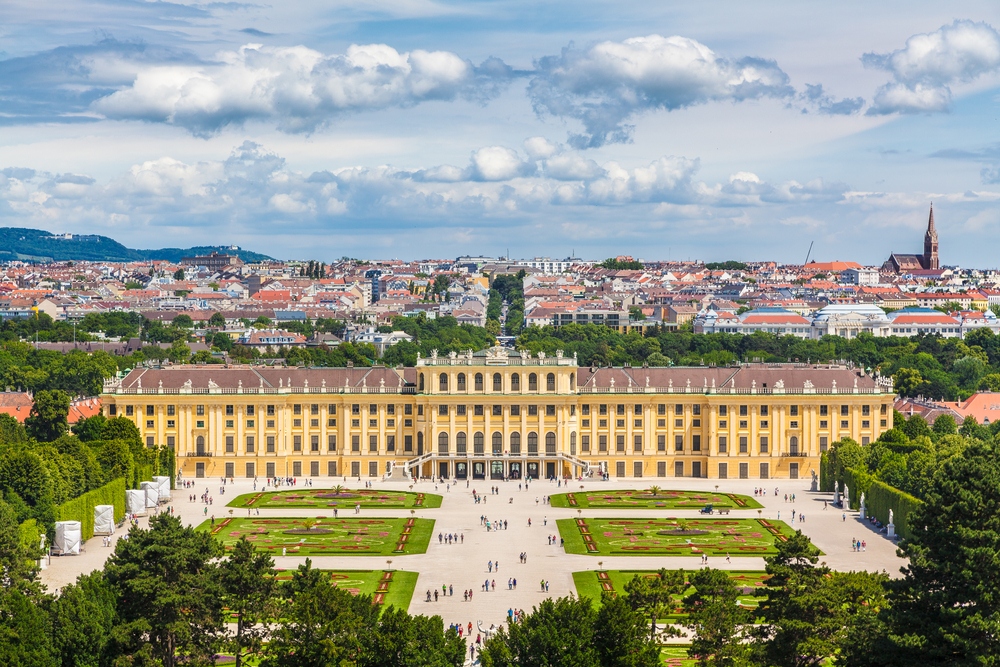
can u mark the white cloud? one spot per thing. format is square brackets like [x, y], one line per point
[930, 63]
[607, 84]
[540, 148]
[496, 163]
[299, 88]
[572, 167]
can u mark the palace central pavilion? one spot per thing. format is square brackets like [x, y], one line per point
[499, 413]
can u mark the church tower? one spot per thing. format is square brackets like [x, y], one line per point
[930, 259]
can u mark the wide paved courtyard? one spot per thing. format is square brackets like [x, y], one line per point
[463, 564]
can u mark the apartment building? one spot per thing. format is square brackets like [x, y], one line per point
[498, 413]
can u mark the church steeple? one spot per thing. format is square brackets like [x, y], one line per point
[930, 258]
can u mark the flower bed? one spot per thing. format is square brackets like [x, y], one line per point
[334, 499]
[672, 537]
[645, 499]
[328, 537]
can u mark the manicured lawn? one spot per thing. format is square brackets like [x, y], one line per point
[637, 499]
[334, 537]
[330, 499]
[591, 583]
[645, 537]
[676, 655]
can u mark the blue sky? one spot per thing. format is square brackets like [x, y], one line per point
[423, 128]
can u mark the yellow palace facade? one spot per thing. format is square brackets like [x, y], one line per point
[497, 414]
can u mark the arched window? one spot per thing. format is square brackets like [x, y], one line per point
[497, 382]
[477, 444]
[572, 443]
[442, 443]
[479, 381]
[443, 382]
[532, 382]
[515, 443]
[497, 442]
[461, 381]
[420, 383]
[532, 443]
[515, 382]
[572, 381]
[550, 382]
[793, 445]
[200, 445]
[550, 443]
[460, 443]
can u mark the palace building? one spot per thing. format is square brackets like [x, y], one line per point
[498, 413]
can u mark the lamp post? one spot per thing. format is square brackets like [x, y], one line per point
[389, 565]
[600, 565]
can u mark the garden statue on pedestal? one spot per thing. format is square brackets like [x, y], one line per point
[891, 529]
[863, 516]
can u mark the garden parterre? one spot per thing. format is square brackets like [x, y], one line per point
[337, 498]
[672, 537]
[652, 498]
[327, 537]
[592, 583]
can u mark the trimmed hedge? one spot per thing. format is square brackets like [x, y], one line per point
[882, 497]
[82, 508]
[827, 479]
[859, 481]
[30, 534]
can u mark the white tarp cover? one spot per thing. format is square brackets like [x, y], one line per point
[152, 491]
[135, 501]
[104, 520]
[164, 487]
[68, 537]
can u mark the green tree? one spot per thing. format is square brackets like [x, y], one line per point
[179, 351]
[82, 618]
[122, 428]
[24, 631]
[90, 428]
[248, 587]
[945, 425]
[169, 599]
[653, 597]
[217, 320]
[718, 623]
[48, 419]
[909, 382]
[18, 570]
[915, 427]
[620, 636]
[946, 608]
[183, 321]
[179, 274]
[556, 632]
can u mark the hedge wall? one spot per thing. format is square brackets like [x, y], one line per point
[858, 481]
[827, 479]
[30, 534]
[882, 497]
[82, 508]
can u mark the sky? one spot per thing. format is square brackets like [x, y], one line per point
[416, 129]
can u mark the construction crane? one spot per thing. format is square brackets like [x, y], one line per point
[808, 253]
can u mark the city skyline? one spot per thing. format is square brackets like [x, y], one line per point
[436, 129]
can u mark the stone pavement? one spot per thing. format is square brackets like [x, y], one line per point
[464, 565]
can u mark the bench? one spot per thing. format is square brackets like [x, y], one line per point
[722, 511]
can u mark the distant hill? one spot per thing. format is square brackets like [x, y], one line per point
[41, 246]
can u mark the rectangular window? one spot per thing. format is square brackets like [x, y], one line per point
[743, 411]
[743, 423]
[250, 470]
[460, 410]
[678, 468]
[637, 423]
[722, 411]
[865, 410]
[722, 424]
[844, 410]
[373, 443]
[823, 410]
[678, 423]
[637, 410]
[407, 443]
[331, 468]
[602, 423]
[230, 411]
[585, 443]
[331, 422]
[865, 423]
[794, 410]
[250, 423]
[881, 409]
[743, 444]
[696, 410]
[515, 411]
[372, 409]
[229, 444]
[355, 408]
[696, 443]
[420, 411]
[149, 423]
[844, 424]
[619, 468]
[865, 440]
[407, 409]
[297, 469]
[696, 423]
[296, 423]
[150, 410]
[763, 444]
[250, 444]
[373, 468]
[637, 468]
[355, 423]
[620, 443]
[331, 442]
[390, 423]
[408, 423]
[723, 471]
[882, 423]
[722, 444]
[149, 441]
[170, 441]
[550, 411]
[764, 469]
[584, 409]
[390, 443]
[270, 444]
[477, 411]
[229, 423]
[314, 468]
[296, 443]
[199, 424]
[390, 409]
[170, 410]
[355, 468]
[442, 411]
[620, 410]
[314, 423]
[602, 410]
[822, 423]
[637, 443]
[498, 410]
[129, 410]
[532, 410]
[270, 411]
[661, 468]
[230, 469]
[678, 443]
[763, 411]
[602, 443]
[355, 443]
[678, 409]
[620, 423]
[661, 443]
[314, 409]
[661, 409]
[661, 423]
[112, 410]
[314, 443]
[297, 409]
[823, 443]
[793, 424]
[249, 411]
[744, 471]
